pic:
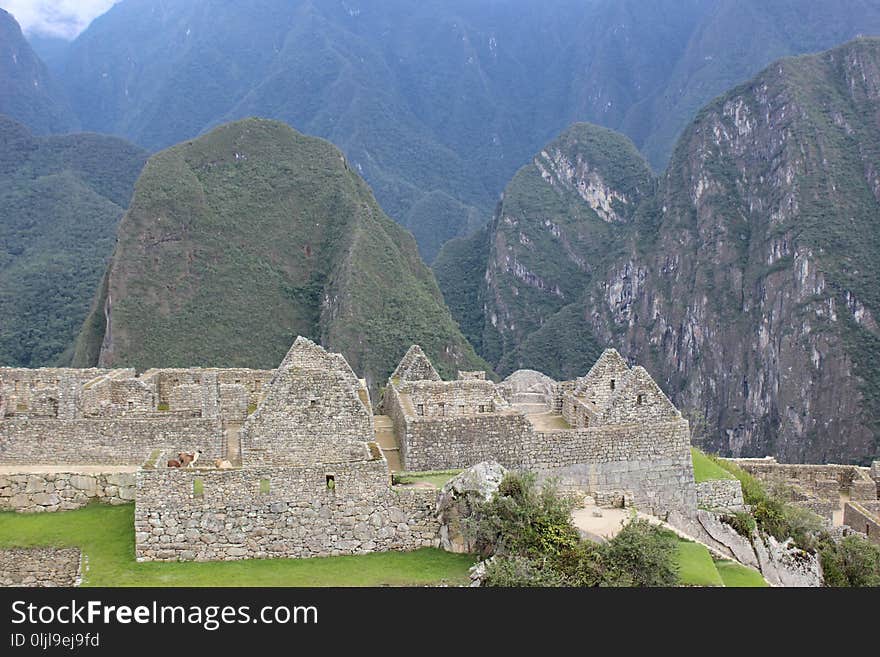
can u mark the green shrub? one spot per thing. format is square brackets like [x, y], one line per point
[640, 555]
[742, 522]
[517, 571]
[522, 519]
[853, 561]
[163, 406]
[530, 532]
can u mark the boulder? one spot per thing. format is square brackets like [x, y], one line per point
[458, 498]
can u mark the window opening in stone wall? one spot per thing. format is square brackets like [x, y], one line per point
[420, 409]
[442, 408]
[264, 486]
[612, 384]
[640, 399]
[482, 408]
[313, 403]
[331, 481]
[130, 405]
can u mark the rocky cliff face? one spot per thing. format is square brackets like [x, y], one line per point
[748, 281]
[755, 303]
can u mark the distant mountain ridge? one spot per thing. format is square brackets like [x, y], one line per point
[745, 278]
[435, 103]
[60, 200]
[29, 93]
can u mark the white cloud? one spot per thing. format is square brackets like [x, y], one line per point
[63, 18]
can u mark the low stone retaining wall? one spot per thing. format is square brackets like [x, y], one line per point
[62, 491]
[720, 494]
[40, 567]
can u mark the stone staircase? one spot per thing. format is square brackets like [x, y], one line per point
[387, 441]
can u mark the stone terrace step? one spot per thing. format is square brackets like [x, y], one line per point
[532, 409]
[529, 398]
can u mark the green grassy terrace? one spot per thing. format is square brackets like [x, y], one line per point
[705, 469]
[105, 535]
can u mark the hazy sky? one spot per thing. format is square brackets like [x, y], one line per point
[64, 18]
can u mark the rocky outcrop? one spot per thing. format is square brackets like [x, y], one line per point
[744, 277]
[528, 387]
[781, 563]
[457, 501]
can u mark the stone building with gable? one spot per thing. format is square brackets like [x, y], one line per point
[610, 431]
[309, 477]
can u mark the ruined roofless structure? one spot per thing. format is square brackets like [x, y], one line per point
[309, 477]
[611, 431]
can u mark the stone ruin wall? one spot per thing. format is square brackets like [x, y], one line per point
[30, 391]
[105, 442]
[825, 481]
[474, 375]
[392, 405]
[864, 517]
[452, 398]
[459, 442]
[653, 462]
[41, 566]
[720, 494]
[577, 412]
[312, 418]
[299, 516]
[28, 492]
[815, 487]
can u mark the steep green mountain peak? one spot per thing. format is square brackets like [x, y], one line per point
[240, 240]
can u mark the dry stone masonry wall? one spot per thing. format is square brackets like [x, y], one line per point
[40, 567]
[721, 494]
[63, 491]
[637, 442]
[279, 512]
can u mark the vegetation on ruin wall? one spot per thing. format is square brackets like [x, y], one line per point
[105, 535]
[60, 201]
[852, 561]
[241, 240]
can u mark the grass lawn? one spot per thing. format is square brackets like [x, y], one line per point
[696, 567]
[705, 469]
[735, 574]
[437, 478]
[106, 536]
